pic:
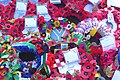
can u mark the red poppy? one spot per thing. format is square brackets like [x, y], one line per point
[42, 1]
[68, 76]
[52, 43]
[54, 73]
[93, 62]
[52, 8]
[40, 51]
[6, 16]
[85, 74]
[87, 67]
[73, 39]
[1, 9]
[95, 50]
[83, 46]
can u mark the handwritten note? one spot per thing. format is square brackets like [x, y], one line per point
[108, 42]
[71, 55]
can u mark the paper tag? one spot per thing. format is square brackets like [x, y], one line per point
[31, 21]
[116, 75]
[108, 42]
[94, 1]
[21, 6]
[31, 29]
[46, 17]
[89, 7]
[115, 3]
[34, 1]
[55, 1]
[42, 9]
[19, 14]
[111, 20]
[71, 55]
[110, 17]
[70, 68]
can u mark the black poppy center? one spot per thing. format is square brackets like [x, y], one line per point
[80, 53]
[85, 73]
[87, 67]
[24, 56]
[84, 56]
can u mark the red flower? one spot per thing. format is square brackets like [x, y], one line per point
[69, 76]
[40, 51]
[95, 50]
[85, 74]
[87, 67]
[52, 8]
[50, 60]
[1, 9]
[52, 43]
[73, 39]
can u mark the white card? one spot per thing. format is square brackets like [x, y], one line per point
[46, 17]
[70, 68]
[21, 6]
[34, 1]
[55, 1]
[111, 20]
[89, 7]
[115, 3]
[94, 1]
[108, 42]
[116, 75]
[42, 9]
[31, 21]
[71, 55]
[110, 17]
[61, 78]
[32, 29]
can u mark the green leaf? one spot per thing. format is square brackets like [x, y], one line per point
[17, 66]
[9, 76]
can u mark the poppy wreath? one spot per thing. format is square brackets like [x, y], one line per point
[68, 9]
[8, 11]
